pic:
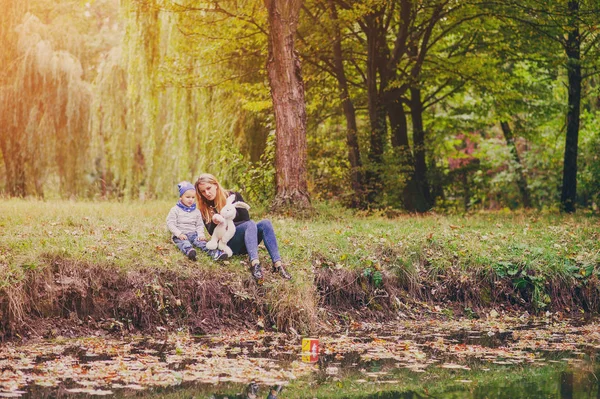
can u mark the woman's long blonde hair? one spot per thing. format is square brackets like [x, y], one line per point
[219, 201]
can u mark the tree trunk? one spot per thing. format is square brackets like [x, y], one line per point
[522, 179]
[377, 111]
[573, 50]
[412, 195]
[14, 164]
[287, 92]
[416, 111]
[399, 128]
[464, 176]
[356, 175]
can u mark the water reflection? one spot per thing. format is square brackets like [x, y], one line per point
[553, 362]
[556, 380]
[253, 391]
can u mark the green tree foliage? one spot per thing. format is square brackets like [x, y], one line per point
[568, 31]
[403, 57]
[409, 104]
[185, 111]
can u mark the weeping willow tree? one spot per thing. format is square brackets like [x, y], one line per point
[183, 92]
[168, 103]
[109, 125]
[218, 52]
[44, 110]
[129, 127]
[12, 14]
[205, 118]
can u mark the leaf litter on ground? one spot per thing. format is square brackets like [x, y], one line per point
[98, 365]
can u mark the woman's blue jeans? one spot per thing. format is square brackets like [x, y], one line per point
[249, 234]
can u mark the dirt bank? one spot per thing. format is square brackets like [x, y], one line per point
[69, 298]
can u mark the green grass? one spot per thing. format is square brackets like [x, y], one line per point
[480, 242]
[132, 235]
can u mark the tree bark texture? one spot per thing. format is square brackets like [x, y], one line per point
[13, 164]
[356, 174]
[521, 178]
[376, 104]
[412, 194]
[13, 142]
[287, 92]
[573, 50]
[416, 111]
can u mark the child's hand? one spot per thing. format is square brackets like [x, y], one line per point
[182, 237]
[218, 219]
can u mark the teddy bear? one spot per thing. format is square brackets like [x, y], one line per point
[225, 231]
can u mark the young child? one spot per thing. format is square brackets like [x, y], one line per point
[185, 223]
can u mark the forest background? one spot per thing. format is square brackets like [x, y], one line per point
[413, 105]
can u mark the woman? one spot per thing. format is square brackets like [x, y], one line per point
[248, 234]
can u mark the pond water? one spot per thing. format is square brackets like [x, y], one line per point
[497, 358]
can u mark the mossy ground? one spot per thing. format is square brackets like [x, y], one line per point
[114, 261]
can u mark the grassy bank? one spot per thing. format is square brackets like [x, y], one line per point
[113, 263]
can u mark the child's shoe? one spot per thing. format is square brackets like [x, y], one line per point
[191, 254]
[219, 255]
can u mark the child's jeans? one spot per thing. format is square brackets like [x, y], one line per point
[192, 241]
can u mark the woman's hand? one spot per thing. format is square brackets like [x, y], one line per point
[182, 237]
[218, 219]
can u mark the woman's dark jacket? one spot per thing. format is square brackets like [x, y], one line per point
[241, 216]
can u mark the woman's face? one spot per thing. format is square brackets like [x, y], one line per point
[207, 190]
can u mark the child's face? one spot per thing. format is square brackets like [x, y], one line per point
[188, 198]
